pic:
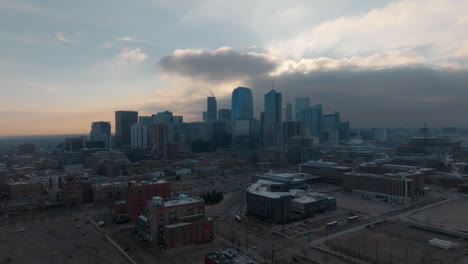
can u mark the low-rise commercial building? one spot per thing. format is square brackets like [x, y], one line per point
[402, 187]
[289, 180]
[277, 204]
[330, 172]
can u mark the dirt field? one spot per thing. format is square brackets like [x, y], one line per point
[452, 215]
[355, 204]
[56, 242]
[397, 243]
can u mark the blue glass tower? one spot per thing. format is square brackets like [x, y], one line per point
[242, 104]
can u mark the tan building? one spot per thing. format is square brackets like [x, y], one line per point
[108, 192]
[23, 189]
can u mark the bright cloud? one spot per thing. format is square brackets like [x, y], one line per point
[60, 36]
[129, 57]
[436, 27]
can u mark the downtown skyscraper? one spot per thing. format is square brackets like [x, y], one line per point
[242, 104]
[312, 120]
[273, 119]
[101, 131]
[288, 112]
[300, 104]
[244, 126]
[123, 123]
[211, 107]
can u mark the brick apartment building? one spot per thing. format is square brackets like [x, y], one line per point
[179, 221]
[22, 189]
[195, 229]
[72, 190]
[108, 192]
[139, 193]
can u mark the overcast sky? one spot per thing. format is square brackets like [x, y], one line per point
[380, 63]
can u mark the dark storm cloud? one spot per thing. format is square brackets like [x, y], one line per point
[376, 91]
[220, 65]
[401, 96]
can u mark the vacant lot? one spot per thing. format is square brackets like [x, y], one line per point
[452, 215]
[397, 243]
[57, 242]
[360, 205]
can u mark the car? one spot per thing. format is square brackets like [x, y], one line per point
[100, 223]
[77, 226]
[21, 229]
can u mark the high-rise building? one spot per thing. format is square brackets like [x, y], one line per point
[160, 139]
[244, 128]
[245, 138]
[145, 120]
[123, 123]
[288, 112]
[343, 131]
[178, 119]
[219, 133]
[224, 114]
[273, 119]
[74, 144]
[139, 136]
[330, 127]
[163, 118]
[312, 120]
[301, 103]
[242, 104]
[101, 131]
[291, 129]
[331, 121]
[211, 108]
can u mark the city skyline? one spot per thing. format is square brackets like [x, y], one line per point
[230, 132]
[360, 60]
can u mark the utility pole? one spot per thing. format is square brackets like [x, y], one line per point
[376, 251]
[272, 253]
[406, 256]
[232, 235]
[246, 240]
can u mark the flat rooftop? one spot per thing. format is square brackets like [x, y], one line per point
[231, 256]
[188, 200]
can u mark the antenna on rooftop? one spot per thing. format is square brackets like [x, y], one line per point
[212, 94]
